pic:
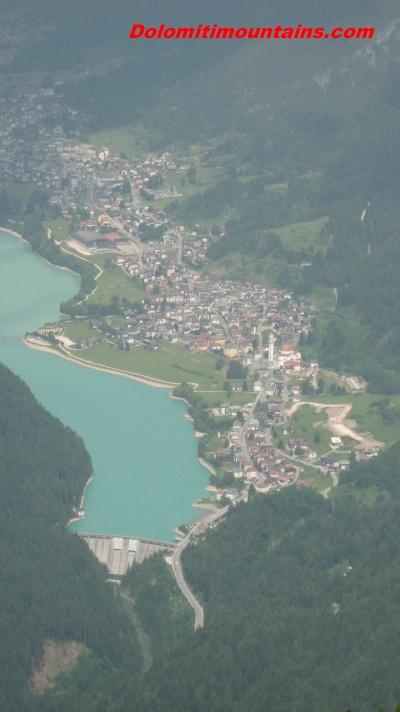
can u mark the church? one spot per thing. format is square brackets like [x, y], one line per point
[287, 352]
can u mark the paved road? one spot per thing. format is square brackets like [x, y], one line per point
[180, 245]
[99, 210]
[177, 568]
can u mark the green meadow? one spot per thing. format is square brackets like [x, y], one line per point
[170, 363]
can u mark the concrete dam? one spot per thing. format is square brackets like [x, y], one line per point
[119, 553]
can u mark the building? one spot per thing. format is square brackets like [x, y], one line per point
[271, 342]
[335, 441]
[93, 241]
[287, 352]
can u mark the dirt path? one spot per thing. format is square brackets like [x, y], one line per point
[337, 414]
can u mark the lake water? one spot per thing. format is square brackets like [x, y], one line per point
[144, 454]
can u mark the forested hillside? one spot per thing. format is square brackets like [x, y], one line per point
[51, 587]
[301, 607]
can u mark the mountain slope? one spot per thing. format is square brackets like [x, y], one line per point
[51, 586]
[301, 606]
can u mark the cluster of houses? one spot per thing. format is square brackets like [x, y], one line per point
[34, 147]
[209, 315]
[39, 142]
[266, 467]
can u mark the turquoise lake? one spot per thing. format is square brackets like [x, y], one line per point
[144, 454]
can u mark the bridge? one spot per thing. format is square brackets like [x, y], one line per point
[119, 553]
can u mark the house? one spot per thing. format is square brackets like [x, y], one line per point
[287, 429]
[344, 465]
[238, 474]
[296, 442]
[329, 462]
[262, 487]
[250, 473]
[310, 454]
[237, 425]
[262, 418]
[335, 441]
[230, 351]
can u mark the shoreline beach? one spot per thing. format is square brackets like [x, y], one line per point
[207, 465]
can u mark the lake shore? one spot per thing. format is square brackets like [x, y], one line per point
[207, 465]
[19, 237]
[14, 234]
[43, 372]
[80, 517]
[37, 345]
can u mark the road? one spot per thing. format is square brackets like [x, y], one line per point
[325, 492]
[180, 247]
[252, 414]
[100, 211]
[177, 568]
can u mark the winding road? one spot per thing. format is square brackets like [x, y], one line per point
[177, 567]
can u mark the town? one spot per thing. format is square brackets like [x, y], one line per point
[110, 204]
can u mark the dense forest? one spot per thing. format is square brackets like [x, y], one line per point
[51, 587]
[301, 606]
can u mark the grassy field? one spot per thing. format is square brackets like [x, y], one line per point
[170, 362]
[215, 443]
[244, 268]
[59, 228]
[307, 424]
[206, 175]
[238, 398]
[125, 139]
[383, 423]
[300, 236]
[79, 329]
[319, 482]
[323, 298]
[115, 283]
